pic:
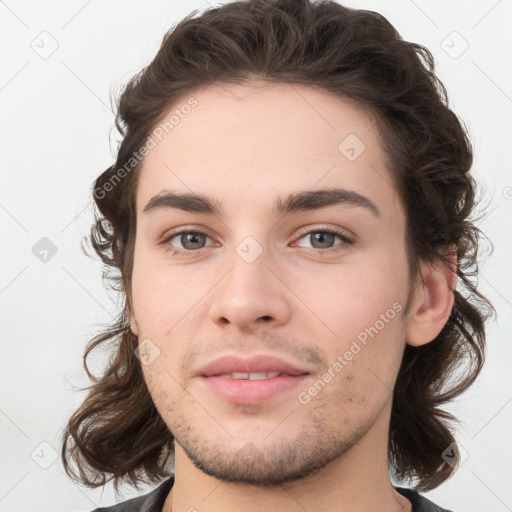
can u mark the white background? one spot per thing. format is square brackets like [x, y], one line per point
[57, 135]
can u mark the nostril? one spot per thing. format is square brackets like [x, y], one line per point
[266, 317]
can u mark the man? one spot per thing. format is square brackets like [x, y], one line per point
[289, 215]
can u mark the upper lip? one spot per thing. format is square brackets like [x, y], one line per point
[253, 364]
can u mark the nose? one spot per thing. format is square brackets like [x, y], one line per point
[250, 297]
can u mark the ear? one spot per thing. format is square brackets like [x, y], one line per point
[134, 328]
[133, 325]
[433, 300]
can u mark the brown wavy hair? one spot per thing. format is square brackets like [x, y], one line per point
[117, 433]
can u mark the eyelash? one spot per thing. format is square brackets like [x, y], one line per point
[332, 250]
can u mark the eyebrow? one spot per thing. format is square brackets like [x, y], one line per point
[307, 200]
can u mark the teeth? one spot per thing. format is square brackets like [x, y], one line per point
[250, 376]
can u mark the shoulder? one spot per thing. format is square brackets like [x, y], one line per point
[150, 502]
[419, 502]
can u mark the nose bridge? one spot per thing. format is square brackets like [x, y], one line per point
[250, 294]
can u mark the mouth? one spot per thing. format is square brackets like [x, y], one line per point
[252, 375]
[251, 381]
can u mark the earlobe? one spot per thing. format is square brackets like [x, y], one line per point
[133, 325]
[131, 315]
[433, 302]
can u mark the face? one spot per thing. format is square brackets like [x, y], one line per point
[291, 260]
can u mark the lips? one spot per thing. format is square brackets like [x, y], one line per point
[253, 380]
[229, 365]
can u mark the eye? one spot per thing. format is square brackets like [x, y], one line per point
[324, 239]
[185, 242]
[189, 242]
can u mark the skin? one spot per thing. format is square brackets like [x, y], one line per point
[244, 147]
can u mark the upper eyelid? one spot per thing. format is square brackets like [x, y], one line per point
[337, 230]
[205, 231]
[345, 237]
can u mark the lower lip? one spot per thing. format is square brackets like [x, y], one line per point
[246, 391]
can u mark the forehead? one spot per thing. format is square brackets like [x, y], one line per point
[246, 143]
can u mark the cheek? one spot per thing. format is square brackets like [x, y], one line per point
[350, 298]
[361, 308]
[166, 306]
[163, 295]
[163, 388]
